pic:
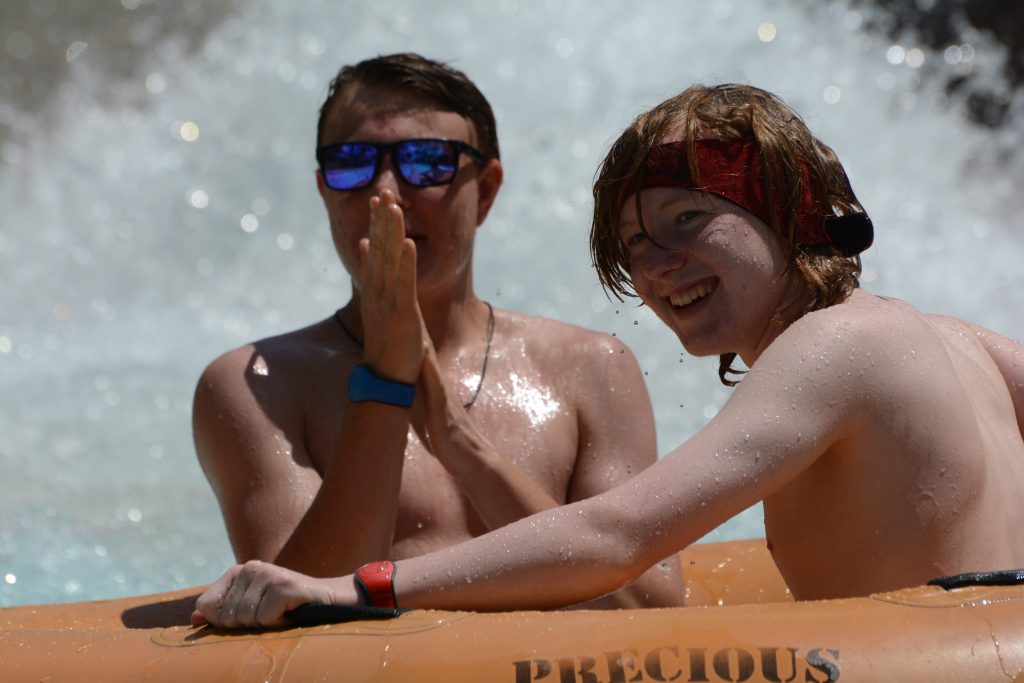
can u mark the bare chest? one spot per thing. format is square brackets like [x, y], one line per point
[529, 423]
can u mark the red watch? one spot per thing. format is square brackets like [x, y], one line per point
[376, 584]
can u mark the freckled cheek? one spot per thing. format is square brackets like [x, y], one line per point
[754, 253]
[644, 287]
[640, 266]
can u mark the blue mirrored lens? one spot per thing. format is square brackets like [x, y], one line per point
[350, 166]
[427, 162]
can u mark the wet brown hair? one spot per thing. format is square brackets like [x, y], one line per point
[731, 112]
[416, 75]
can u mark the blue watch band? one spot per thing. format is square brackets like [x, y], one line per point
[363, 385]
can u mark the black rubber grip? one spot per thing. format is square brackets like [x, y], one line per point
[312, 614]
[1006, 577]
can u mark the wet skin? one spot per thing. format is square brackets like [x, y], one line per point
[885, 443]
[884, 468]
[310, 480]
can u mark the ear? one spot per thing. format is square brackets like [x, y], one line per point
[321, 186]
[491, 176]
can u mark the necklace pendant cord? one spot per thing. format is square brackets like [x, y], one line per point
[487, 349]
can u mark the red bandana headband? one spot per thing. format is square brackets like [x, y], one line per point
[732, 170]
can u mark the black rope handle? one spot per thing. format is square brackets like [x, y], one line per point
[1006, 577]
[314, 614]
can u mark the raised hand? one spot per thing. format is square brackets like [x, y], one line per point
[391, 316]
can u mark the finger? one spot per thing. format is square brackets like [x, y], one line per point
[395, 221]
[198, 618]
[225, 617]
[248, 605]
[271, 611]
[276, 601]
[286, 591]
[419, 415]
[437, 402]
[364, 263]
[209, 604]
[406, 276]
[431, 370]
[376, 236]
[234, 606]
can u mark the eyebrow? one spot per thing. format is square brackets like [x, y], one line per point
[671, 199]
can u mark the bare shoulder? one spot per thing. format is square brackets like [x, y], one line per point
[257, 393]
[600, 377]
[856, 329]
[1005, 354]
[995, 343]
[557, 341]
[275, 360]
[868, 340]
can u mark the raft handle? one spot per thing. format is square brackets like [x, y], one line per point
[1006, 577]
[314, 614]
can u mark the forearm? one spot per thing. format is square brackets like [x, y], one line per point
[556, 558]
[351, 520]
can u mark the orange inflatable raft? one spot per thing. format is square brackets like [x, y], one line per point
[741, 625]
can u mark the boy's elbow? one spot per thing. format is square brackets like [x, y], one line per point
[626, 546]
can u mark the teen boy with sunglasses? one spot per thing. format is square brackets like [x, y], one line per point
[318, 443]
[885, 442]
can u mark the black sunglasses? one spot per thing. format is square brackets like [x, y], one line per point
[421, 163]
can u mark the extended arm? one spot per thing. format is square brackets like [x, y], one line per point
[783, 416]
[250, 439]
[616, 442]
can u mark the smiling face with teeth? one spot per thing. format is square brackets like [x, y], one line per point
[710, 270]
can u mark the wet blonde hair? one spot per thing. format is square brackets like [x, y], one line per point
[789, 154]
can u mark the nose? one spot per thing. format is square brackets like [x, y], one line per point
[387, 179]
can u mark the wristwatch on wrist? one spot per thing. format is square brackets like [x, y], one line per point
[375, 583]
[364, 385]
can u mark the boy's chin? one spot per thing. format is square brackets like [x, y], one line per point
[699, 347]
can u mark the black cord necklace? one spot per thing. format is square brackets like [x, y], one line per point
[487, 350]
